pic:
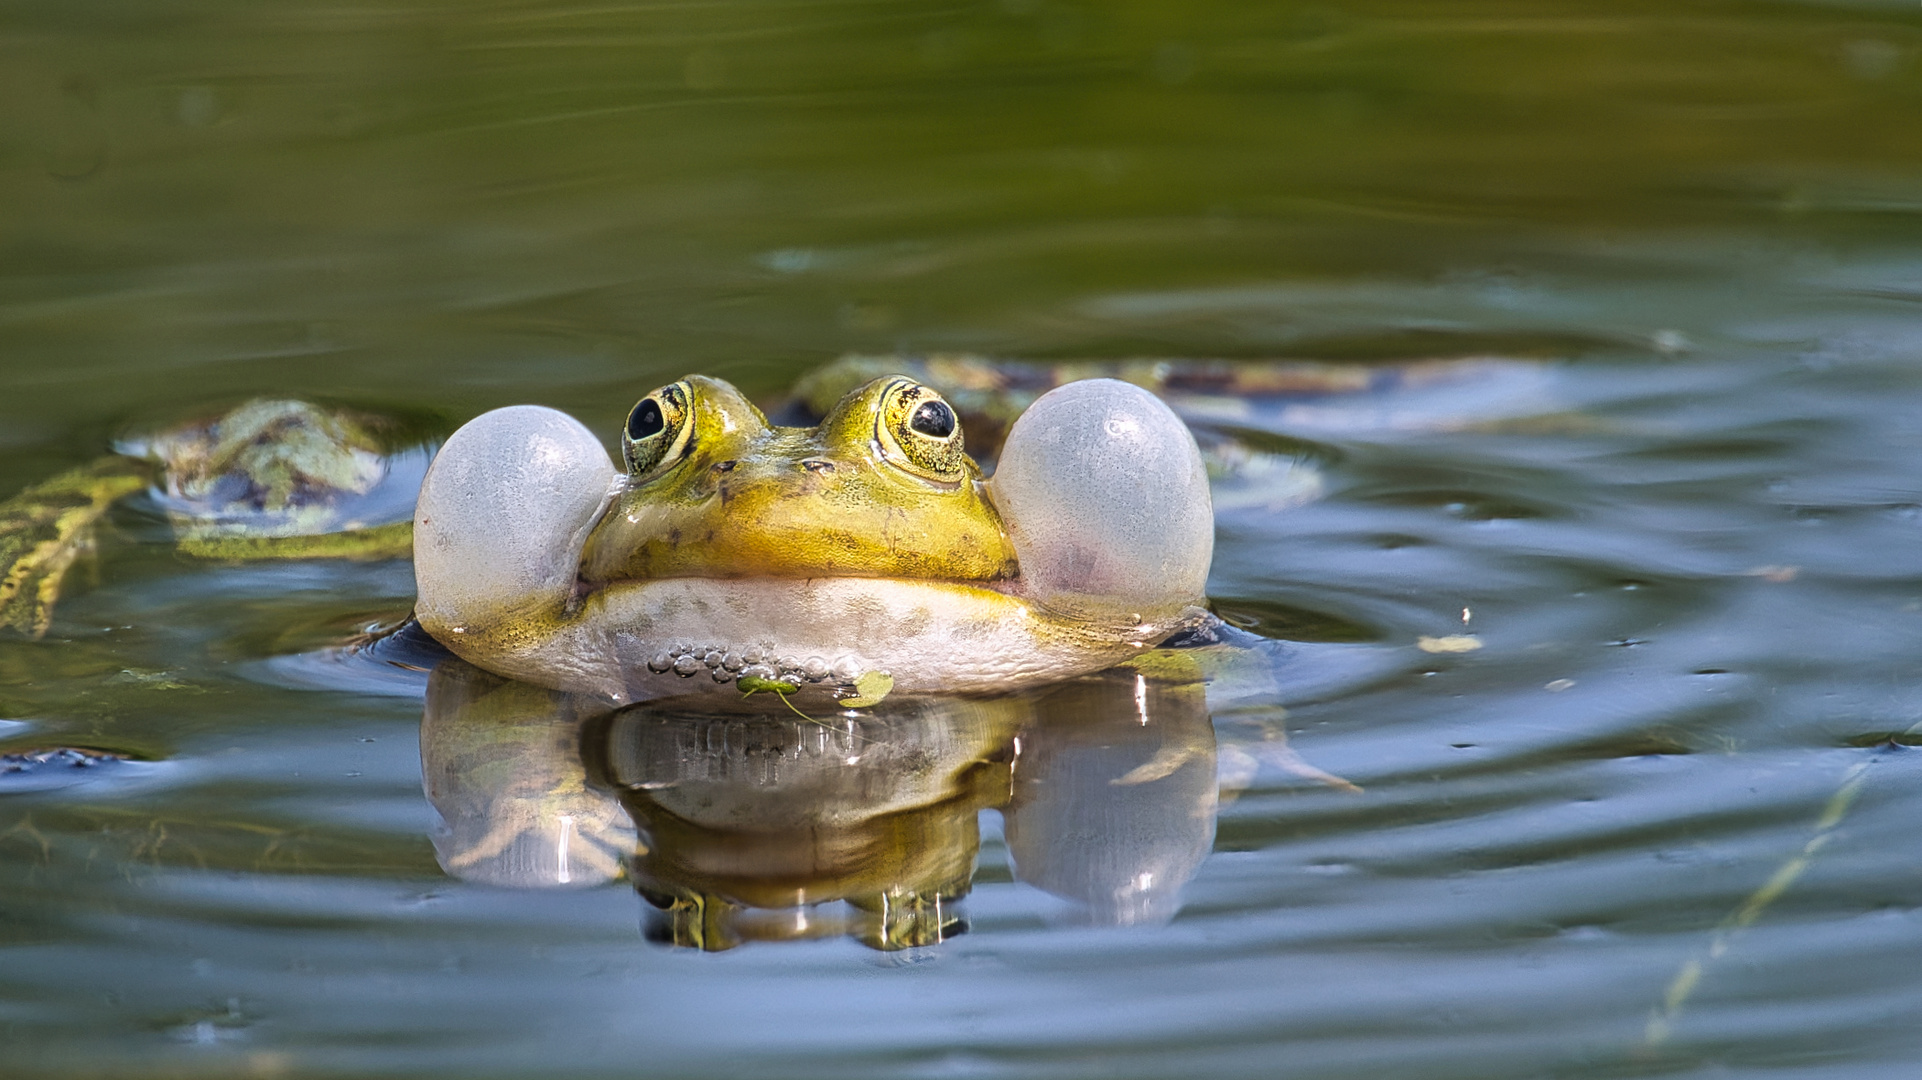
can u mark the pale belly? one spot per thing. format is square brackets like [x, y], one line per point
[644, 640]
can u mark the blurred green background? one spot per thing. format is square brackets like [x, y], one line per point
[467, 203]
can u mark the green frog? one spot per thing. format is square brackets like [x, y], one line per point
[731, 550]
[269, 479]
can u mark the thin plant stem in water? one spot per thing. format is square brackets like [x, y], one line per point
[1661, 1024]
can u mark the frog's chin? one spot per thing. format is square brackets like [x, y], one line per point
[634, 641]
[1100, 485]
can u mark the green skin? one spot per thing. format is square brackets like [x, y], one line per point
[46, 527]
[862, 495]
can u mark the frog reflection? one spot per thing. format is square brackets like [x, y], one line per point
[1113, 806]
[745, 821]
[764, 812]
[500, 762]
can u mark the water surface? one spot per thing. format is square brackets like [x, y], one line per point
[1661, 821]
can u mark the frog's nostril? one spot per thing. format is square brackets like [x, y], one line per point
[818, 465]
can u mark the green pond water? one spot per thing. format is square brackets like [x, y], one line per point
[1662, 822]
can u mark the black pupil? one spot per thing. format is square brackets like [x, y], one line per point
[645, 420]
[933, 419]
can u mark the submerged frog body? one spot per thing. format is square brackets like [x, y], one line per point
[274, 477]
[729, 548]
[269, 479]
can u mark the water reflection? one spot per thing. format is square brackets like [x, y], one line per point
[751, 812]
[501, 763]
[745, 821]
[1113, 805]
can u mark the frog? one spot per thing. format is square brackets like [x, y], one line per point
[270, 478]
[727, 551]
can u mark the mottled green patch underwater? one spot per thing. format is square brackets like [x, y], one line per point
[1584, 744]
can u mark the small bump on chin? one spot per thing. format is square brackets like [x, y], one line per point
[726, 663]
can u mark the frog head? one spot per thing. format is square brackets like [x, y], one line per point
[883, 488]
[729, 547]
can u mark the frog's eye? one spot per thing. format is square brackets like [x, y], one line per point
[657, 429]
[933, 419]
[919, 432]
